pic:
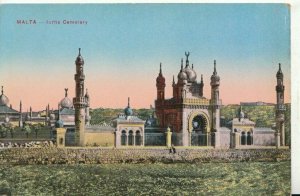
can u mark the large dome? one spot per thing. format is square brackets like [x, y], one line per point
[191, 74]
[66, 102]
[4, 100]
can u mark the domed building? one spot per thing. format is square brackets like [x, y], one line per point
[194, 119]
[7, 113]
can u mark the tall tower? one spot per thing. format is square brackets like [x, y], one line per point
[160, 85]
[215, 103]
[21, 118]
[280, 108]
[79, 101]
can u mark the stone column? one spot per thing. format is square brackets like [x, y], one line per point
[169, 138]
[60, 137]
[133, 137]
[277, 139]
[235, 143]
[127, 139]
[185, 132]
[117, 139]
[217, 139]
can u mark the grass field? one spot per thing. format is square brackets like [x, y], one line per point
[243, 178]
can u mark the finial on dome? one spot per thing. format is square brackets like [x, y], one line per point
[187, 54]
[181, 64]
[2, 90]
[192, 66]
[129, 102]
[279, 66]
[66, 92]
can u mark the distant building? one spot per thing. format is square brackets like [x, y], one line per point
[258, 103]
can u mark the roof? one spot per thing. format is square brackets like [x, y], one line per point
[128, 119]
[7, 110]
[67, 111]
[243, 121]
[263, 129]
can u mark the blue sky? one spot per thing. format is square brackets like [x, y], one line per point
[128, 41]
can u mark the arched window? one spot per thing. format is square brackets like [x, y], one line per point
[138, 138]
[123, 138]
[130, 138]
[243, 138]
[249, 138]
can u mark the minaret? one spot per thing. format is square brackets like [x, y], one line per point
[87, 109]
[30, 113]
[201, 87]
[79, 101]
[280, 108]
[215, 103]
[21, 118]
[160, 85]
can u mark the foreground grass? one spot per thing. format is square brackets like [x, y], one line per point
[244, 178]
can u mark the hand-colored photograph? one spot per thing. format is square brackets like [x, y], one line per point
[145, 99]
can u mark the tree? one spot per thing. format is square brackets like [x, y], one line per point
[3, 131]
[36, 129]
[27, 130]
[11, 129]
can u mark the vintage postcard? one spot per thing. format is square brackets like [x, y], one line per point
[143, 99]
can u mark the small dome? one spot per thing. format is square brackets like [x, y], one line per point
[3, 100]
[52, 116]
[242, 115]
[128, 111]
[79, 59]
[182, 76]
[59, 124]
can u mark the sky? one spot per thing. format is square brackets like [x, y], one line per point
[123, 45]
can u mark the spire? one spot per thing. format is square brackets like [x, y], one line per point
[187, 54]
[160, 71]
[79, 51]
[20, 106]
[173, 80]
[1, 90]
[129, 102]
[192, 66]
[181, 64]
[201, 78]
[279, 72]
[215, 69]
[66, 92]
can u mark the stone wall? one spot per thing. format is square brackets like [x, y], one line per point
[52, 155]
[103, 138]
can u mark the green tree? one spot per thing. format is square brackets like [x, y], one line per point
[36, 129]
[3, 131]
[11, 129]
[27, 130]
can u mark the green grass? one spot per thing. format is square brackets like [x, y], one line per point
[244, 178]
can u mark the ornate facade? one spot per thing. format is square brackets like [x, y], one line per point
[188, 112]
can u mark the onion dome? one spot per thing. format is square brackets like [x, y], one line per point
[59, 124]
[52, 116]
[160, 78]
[215, 77]
[128, 111]
[79, 59]
[182, 75]
[66, 102]
[279, 72]
[3, 99]
[241, 114]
